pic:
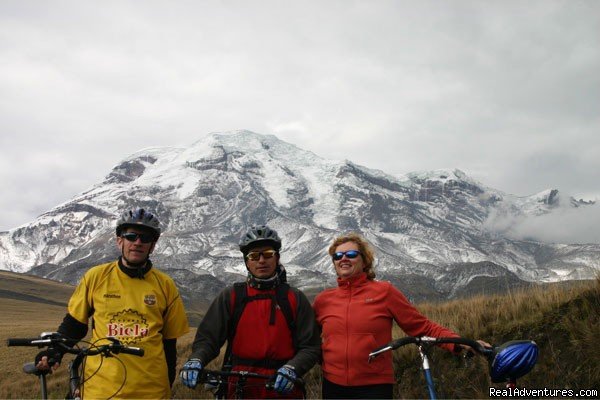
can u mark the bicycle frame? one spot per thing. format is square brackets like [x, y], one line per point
[424, 343]
[427, 373]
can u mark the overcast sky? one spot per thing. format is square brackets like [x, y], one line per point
[507, 91]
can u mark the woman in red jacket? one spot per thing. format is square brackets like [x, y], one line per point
[357, 317]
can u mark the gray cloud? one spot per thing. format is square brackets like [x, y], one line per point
[506, 91]
[565, 225]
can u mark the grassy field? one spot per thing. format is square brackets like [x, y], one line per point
[563, 320]
[29, 306]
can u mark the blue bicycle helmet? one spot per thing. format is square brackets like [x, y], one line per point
[513, 360]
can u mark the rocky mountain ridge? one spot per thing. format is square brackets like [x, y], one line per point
[428, 228]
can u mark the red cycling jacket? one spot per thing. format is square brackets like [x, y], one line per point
[356, 318]
[258, 340]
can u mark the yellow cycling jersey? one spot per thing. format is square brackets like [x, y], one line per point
[138, 312]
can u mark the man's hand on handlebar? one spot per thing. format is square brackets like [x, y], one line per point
[190, 372]
[286, 376]
[43, 365]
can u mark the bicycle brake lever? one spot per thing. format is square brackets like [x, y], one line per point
[375, 353]
[50, 335]
[113, 339]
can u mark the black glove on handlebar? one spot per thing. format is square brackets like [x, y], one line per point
[54, 356]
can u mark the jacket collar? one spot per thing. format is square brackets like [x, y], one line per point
[352, 281]
[269, 283]
[138, 272]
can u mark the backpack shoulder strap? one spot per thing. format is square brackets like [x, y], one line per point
[239, 302]
[283, 301]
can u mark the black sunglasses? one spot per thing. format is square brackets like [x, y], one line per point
[338, 255]
[132, 237]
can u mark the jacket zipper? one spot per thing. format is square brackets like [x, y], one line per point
[348, 331]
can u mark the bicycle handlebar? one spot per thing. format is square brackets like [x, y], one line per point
[136, 351]
[208, 372]
[56, 342]
[207, 375]
[48, 340]
[426, 340]
[24, 342]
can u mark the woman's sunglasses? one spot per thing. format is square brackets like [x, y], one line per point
[132, 237]
[255, 255]
[338, 255]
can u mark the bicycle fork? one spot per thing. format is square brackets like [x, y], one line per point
[427, 373]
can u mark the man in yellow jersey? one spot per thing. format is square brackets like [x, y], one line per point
[132, 301]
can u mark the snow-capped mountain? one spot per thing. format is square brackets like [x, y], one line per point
[430, 229]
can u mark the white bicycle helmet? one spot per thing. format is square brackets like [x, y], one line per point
[259, 235]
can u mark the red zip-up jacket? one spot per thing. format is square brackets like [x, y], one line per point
[356, 318]
[257, 339]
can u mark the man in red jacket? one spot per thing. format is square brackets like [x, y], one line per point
[261, 337]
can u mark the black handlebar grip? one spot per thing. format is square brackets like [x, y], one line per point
[21, 342]
[136, 351]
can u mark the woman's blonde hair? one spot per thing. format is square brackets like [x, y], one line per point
[366, 251]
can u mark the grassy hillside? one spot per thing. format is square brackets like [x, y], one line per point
[29, 306]
[563, 320]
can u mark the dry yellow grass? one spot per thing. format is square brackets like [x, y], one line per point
[563, 320]
[25, 319]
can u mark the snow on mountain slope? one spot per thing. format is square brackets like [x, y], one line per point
[206, 195]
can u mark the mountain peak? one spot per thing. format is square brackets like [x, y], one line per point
[208, 193]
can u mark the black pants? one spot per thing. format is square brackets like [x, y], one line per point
[332, 391]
